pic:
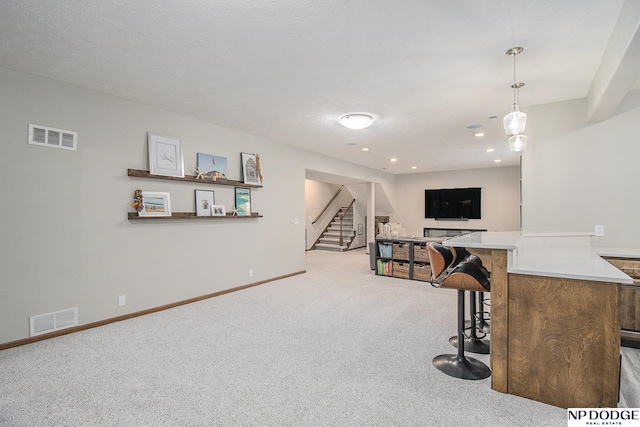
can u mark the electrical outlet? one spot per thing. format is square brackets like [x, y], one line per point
[599, 230]
[122, 300]
[250, 272]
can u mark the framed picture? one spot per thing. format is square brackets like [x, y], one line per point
[214, 167]
[360, 227]
[251, 169]
[243, 201]
[155, 204]
[205, 199]
[218, 210]
[165, 156]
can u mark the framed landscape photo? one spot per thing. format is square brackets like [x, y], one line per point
[213, 167]
[165, 156]
[251, 169]
[205, 199]
[218, 210]
[155, 204]
[243, 201]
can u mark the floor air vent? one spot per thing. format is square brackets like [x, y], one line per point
[51, 137]
[50, 322]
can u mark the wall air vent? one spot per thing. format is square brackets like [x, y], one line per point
[50, 137]
[50, 322]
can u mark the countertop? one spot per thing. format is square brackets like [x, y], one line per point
[571, 263]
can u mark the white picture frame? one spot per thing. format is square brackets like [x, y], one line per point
[156, 204]
[218, 210]
[205, 199]
[251, 173]
[165, 156]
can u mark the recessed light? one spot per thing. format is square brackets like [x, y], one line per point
[497, 160]
[394, 160]
[414, 167]
[478, 134]
[490, 150]
[356, 120]
[365, 149]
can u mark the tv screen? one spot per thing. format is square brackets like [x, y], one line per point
[452, 203]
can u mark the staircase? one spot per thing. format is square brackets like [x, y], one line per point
[330, 239]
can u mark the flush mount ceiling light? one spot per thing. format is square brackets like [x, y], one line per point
[515, 122]
[356, 120]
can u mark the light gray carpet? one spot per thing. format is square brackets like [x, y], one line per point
[337, 346]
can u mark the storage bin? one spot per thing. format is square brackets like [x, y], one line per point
[400, 269]
[420, 253]
[401, 251]
[385, 250]
[422, 272]
[384, 268]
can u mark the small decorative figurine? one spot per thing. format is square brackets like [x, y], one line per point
[199, 174]
[258, 165]
[137, 201]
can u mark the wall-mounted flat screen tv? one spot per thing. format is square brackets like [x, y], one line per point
[452, 203]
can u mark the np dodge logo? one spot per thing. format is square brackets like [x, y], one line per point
[627, 417]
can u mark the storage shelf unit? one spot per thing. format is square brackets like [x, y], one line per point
[402, 258]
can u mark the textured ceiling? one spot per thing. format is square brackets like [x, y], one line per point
[286, 70]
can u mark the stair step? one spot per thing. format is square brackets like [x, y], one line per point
[334, 248]
[333, 241]
[334, 232]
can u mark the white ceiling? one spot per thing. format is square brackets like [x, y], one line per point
[286, 70]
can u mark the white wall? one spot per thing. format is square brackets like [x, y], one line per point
[500, 198]
[64, 234]
[576, 175]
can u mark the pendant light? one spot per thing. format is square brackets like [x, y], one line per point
[515, 121]
[517, 142]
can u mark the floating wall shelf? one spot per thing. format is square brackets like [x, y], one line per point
[192, 215]
[139, 173]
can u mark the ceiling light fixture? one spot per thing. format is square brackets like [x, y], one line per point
[517, 142]
[356, 120]
[365, 149]
[515, 122]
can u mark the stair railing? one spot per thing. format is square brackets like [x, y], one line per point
[328, 204]
[341, 217]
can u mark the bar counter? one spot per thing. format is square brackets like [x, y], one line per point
[555, 327]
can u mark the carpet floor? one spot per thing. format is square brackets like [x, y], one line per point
[337, 346]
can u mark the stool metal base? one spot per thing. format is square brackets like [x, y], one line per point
[482, 325]
[465, 368]
[473, 345]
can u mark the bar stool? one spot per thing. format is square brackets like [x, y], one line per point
[473, 342]
[466, 276]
